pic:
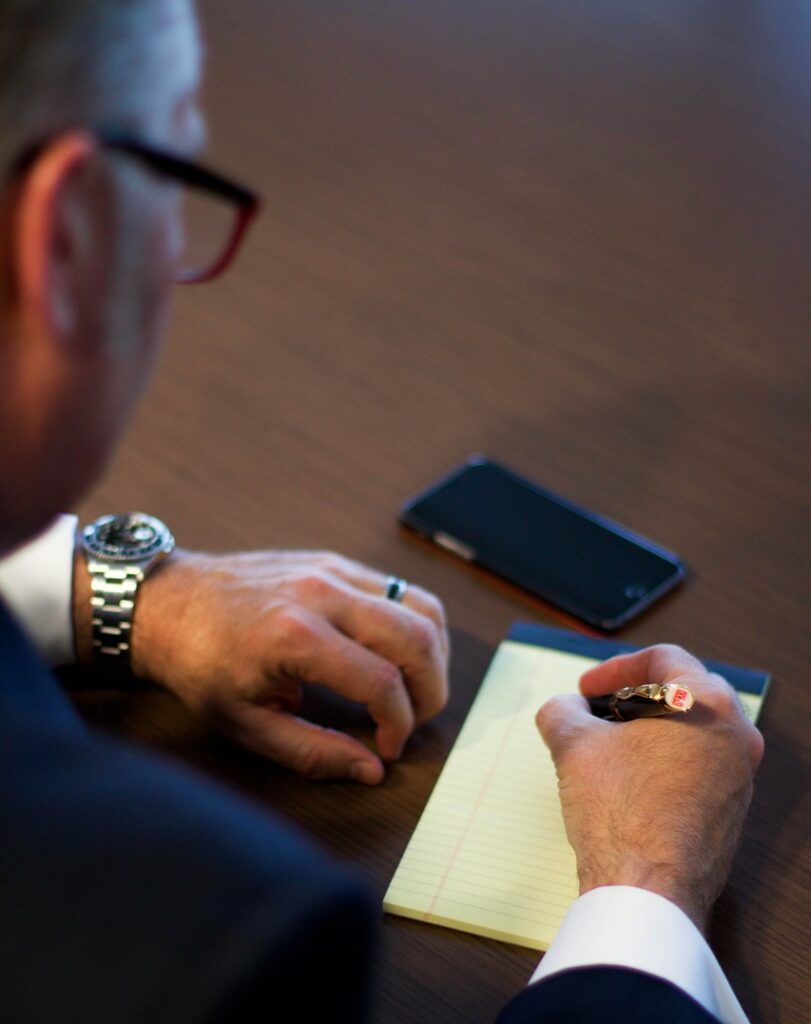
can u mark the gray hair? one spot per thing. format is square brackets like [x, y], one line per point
[65, 63]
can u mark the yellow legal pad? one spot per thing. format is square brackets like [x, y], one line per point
[489, 854]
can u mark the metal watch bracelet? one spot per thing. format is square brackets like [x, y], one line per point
[113, 592]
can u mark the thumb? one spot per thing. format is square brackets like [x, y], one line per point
[304, 747]
[658, 664]
[564, 719]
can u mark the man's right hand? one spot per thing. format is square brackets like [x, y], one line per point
[654, 803]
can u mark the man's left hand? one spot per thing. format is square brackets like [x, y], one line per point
[237, 636]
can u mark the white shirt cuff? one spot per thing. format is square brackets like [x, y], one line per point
[628, 927]
[36, 582]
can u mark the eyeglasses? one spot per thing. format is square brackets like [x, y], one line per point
[216, 211]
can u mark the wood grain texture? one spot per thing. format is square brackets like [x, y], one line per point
[576, 237]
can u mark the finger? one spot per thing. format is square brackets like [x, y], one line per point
[563, 719]
[725, 703]
[425, 603]
[663, 663]
[410, 641]
[317, 652]
[375, 583]
[407, 640]
[304, 747]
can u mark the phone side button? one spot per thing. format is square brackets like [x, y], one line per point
[444, 540]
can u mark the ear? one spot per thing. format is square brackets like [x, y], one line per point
[48, 238]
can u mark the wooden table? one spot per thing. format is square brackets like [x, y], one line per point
[575, 236]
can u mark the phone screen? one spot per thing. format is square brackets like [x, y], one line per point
[586, 564]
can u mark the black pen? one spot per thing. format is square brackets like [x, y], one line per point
[651, 700]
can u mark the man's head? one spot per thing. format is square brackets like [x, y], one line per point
[88, 236]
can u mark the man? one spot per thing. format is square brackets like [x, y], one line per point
[128, 890]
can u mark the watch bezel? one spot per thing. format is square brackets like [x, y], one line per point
[162, 540]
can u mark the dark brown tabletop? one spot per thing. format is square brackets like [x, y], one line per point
[576, 237]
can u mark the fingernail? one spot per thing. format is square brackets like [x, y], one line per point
[366, 772]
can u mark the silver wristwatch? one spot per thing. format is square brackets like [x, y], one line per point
[120, 551]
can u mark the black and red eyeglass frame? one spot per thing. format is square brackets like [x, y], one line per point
[246, 203]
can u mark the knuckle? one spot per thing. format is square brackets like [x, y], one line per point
[547, 711]
[294, 628]
[719, 680]
[551, 726]
[309, 762]
[725, 703]
[436, 610]
[332, 562]
[670, 652]
[424, 636]
[388, 680]
[556, 719]
[314, 587]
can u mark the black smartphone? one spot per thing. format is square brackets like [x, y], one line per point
[587, 565]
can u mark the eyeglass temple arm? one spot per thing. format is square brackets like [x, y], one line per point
[244, 217]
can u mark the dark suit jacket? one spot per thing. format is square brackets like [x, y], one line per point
[133, 891]
[603, 995]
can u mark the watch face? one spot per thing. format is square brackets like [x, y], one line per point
[127, 538]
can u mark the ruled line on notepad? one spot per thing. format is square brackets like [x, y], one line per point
[489, 854]
[508, 857]
[472, 815]
[527, 875]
